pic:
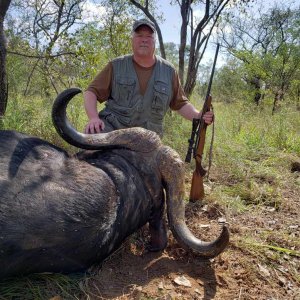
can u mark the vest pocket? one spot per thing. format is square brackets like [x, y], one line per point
[125, 87]
[160, 100]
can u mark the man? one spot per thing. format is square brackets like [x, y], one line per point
[138, 89]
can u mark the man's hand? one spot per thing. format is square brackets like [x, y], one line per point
[208, 117]
[95, 125]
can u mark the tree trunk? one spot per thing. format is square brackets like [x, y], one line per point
[184, 11]
[298, 98]
[255, 82]
[4, 4]
[277, 98]
[190, 81]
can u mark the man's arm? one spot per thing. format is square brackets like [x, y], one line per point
[181, 104]
[189, 112]
[99, 89]
[95, 124]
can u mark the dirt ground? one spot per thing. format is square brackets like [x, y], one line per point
[261, 262]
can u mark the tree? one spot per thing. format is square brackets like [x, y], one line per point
[4, 4]
[269, 46]
[46, 25]
[171, 50]
[96, 46]
[229, 85]
[116, 29]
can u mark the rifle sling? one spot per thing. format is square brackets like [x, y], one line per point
[211, 144]
[198, 157]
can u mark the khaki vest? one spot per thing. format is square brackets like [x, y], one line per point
[126, 107]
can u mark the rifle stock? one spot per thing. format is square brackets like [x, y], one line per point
[199, 130]
[197, 186]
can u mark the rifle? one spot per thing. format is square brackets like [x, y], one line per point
[196, 148]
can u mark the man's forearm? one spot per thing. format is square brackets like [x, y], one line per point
[90, 104]
[188, 111]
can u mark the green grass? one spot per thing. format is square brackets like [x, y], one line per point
[42, 286]
[33, 116]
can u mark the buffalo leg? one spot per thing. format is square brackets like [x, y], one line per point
[157, 228]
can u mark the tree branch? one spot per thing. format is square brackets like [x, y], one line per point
[41, 56]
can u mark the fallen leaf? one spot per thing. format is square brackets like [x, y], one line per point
[204, 226]
[181, 280]
[264, 270]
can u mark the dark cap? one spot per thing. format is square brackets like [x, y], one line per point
[144, 22]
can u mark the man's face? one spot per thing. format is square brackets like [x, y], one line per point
[143, 42]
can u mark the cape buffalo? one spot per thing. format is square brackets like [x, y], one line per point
[63, 213]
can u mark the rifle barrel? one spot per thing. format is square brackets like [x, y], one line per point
[211, 76]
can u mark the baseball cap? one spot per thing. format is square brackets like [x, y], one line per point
[145, 22]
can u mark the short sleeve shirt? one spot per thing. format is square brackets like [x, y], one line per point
[101, 85]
